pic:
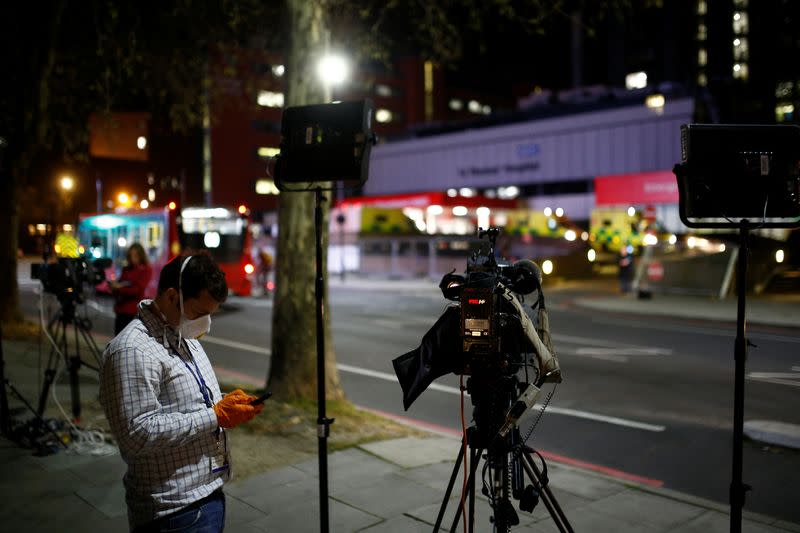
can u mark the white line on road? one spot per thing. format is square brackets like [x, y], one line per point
[236, 344]
[791, 379]
[447, 389]
[550, 409]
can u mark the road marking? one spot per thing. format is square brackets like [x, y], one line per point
[550, 409]
[791, 379]
[451, 390]
[690, 329]
[236, 344]
[622, 351]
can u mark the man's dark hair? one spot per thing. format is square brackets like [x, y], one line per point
[201, 272]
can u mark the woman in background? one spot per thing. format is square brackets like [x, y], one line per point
[129, 288]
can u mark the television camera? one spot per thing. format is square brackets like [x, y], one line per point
[503, 346]
[67, 276]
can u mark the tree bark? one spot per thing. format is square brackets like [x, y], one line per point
[16, 162]
[292, 373]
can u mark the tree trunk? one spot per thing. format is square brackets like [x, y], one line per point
[24, 145]
[292, 373]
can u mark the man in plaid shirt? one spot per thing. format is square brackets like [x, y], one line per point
[164, 405]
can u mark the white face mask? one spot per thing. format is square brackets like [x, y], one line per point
[190, 329]
[194, 329]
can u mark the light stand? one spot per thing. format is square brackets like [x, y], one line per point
[323, 422]
[323, 143]
[739, 177]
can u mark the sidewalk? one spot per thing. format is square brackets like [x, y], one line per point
[388, 486]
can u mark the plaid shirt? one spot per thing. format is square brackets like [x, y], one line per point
[153, 403]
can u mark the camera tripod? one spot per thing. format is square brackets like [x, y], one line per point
[58, 328]
[506, 457]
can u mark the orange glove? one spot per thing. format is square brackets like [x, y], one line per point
[235, 409]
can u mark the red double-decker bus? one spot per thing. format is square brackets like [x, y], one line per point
[167, 232]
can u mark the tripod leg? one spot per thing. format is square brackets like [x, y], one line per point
[74, 385]
[470, 492]
[452, 482]
[53, 360]
[556, 513]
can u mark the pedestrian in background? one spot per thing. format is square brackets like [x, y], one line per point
[129, 289]
[625, 270]
[164, 405]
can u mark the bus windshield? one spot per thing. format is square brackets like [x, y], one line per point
[218, 230]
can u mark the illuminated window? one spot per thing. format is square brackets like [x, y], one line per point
[740, 71]
[456, 104]
[784, 112]
[383, 115]
[702, 32]
[740, 4]
[740, 49]
[783, 89]
[702, 79]
[265, 152]
[740, 23]
[702, 7]
[270, 99]
[702, 57]
[383, 90]
[266, 187]
[636, 80]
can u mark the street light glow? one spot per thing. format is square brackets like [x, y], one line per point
[141, 142]
[123, 198]
[333, 69]
[67, 183]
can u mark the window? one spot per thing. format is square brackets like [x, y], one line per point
[265, 152]
[264, 186]
[740, 49]
[740, 23]
[270, 99]
[702, 57]
[702, 79]
[702, 7]
[384, 115]
[383, 90]
[456, 104]
[702, 32]
[740, 71]
[784, 112]
[783, 90]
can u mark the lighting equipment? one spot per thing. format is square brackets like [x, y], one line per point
[504, 346]
[323, 143]
[744, 177]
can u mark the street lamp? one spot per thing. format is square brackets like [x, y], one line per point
[67, 183]
[332, 69]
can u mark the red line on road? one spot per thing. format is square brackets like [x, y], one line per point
[608, 471]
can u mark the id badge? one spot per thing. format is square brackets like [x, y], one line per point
[219, 461]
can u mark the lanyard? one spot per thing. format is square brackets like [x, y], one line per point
[198, 377]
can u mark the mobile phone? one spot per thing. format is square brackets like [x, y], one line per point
[261, 399]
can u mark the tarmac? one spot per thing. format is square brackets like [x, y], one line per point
[396, 485]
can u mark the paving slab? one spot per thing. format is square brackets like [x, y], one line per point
[108, 499]
[303, 517]
[406, 451]
[716, 522]
[401, 523]
[389, 496]
[580, 483]
[659, 513]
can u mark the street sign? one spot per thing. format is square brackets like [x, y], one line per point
[655, 271]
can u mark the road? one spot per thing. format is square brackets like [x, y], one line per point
[648, 398]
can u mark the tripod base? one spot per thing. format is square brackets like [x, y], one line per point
[504, 516]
